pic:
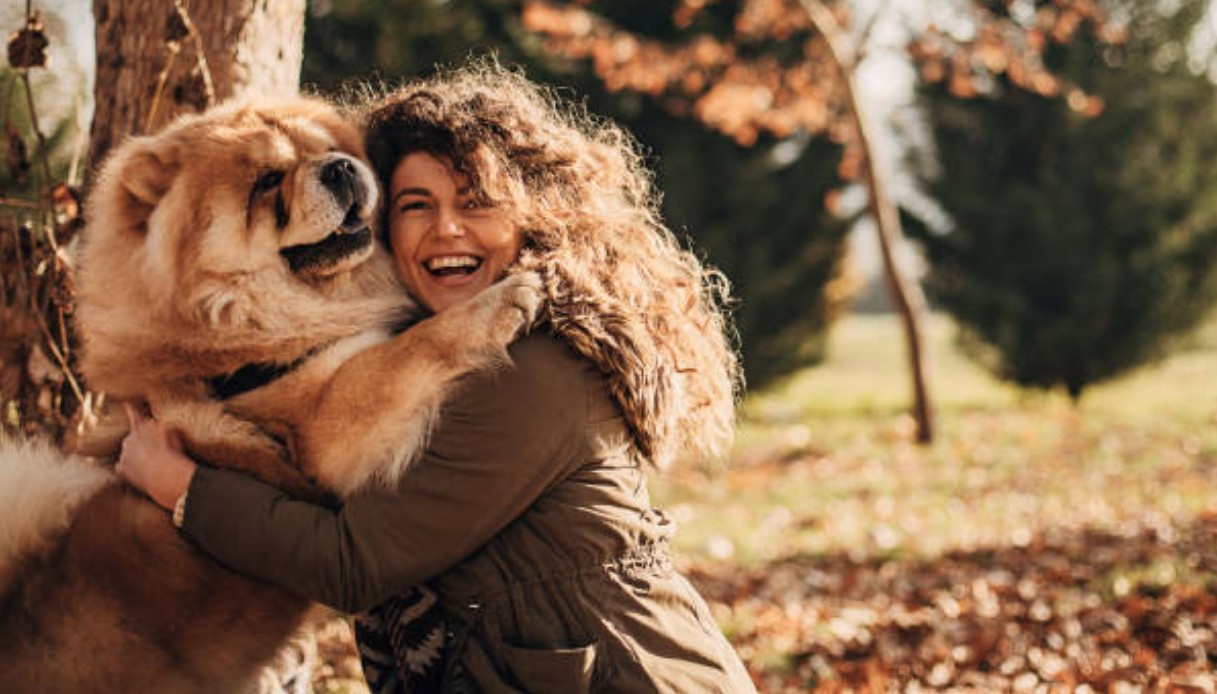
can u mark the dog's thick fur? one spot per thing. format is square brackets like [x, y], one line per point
[235, 237]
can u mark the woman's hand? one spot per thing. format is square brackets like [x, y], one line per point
[153, 460]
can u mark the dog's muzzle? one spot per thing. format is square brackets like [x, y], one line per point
[354, 190]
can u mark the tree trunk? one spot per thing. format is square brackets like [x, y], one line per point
[906, 293]
[150, 68]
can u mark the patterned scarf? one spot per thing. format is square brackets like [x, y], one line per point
[402, 643]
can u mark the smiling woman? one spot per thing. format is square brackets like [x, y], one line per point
[449, 243]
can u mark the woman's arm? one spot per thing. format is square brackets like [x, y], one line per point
[500, 444]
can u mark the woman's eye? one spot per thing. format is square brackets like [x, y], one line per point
[477, 204]
[410, 206]
[268, 181]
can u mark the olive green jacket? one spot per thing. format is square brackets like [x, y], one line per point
[528, 514]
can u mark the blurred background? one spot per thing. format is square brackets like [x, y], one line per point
[973, 248]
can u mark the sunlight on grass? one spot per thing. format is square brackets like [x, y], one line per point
[825, 462]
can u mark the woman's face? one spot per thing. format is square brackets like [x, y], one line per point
[447, 244]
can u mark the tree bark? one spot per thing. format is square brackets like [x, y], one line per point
[158, 59]
[906, 293]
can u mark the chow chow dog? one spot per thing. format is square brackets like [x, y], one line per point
[228, 278]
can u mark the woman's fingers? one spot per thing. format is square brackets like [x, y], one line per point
[136, 416]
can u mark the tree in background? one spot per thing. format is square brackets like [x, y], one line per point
[157, 59]
[756, 210]
[1078, 244]
[357, 40]
[763, 220]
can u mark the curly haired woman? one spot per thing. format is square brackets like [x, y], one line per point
[528, 515]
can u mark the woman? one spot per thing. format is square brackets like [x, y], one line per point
[528, 514]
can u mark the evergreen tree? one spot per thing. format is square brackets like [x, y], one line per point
[354, 40]
[763, 220]
[1080, 245]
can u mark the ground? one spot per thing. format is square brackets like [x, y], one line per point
[1037, 545]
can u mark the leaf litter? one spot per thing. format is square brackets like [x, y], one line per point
[1100, 610]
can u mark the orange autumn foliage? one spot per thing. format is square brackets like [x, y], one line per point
[734, 85]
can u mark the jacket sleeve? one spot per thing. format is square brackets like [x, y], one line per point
[501, 442]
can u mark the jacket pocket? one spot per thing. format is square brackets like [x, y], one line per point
[551, 670]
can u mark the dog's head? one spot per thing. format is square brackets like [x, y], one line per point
[241, 188]
[242, 228]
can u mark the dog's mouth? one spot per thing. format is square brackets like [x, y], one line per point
[351, 237]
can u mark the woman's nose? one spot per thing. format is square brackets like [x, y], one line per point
[448, 223]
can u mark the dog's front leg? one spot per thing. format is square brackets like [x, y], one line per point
[216, 437]
[373, 416]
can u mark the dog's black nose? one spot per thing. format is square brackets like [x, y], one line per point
[340, 176]
[339, 173]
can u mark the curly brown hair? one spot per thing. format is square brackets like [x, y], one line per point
[621, 289]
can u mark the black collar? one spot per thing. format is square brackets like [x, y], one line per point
[254, 376]
[249, 377]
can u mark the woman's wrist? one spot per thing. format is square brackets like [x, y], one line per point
[176, 482]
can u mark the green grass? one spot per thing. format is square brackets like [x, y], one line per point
[825, 462]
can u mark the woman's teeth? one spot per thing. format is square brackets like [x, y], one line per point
[453, 264]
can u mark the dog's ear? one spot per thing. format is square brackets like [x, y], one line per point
[131, 182]
[145, 169]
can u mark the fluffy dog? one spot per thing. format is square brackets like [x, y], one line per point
[228, 278]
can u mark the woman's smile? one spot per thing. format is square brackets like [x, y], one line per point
[448, 243]
[453, 270]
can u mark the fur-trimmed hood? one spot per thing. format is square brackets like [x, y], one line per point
[662, 404]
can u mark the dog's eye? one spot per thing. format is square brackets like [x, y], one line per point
[268, 181]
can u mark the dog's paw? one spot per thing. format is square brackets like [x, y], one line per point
[493, 318]
[525, 293]
[504, 310]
